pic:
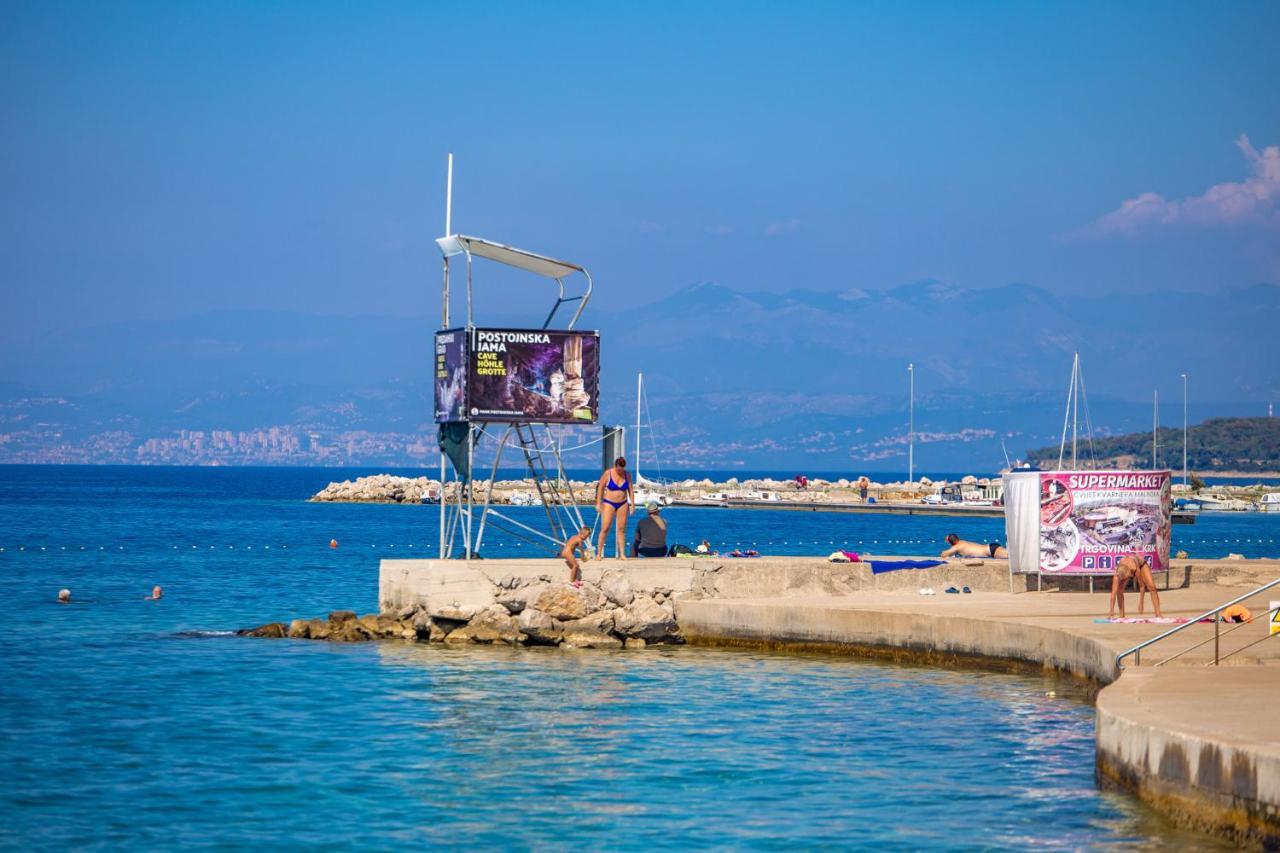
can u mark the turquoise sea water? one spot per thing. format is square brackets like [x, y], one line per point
[126, 723]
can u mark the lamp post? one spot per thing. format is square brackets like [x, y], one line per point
[911, 423]
[1184, 429]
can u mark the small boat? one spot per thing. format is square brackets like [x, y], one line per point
[1270, 502]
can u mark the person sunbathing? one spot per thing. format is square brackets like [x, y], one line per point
[1139, 570]
[964, 548]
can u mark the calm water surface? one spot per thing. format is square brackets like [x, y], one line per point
[126, 723]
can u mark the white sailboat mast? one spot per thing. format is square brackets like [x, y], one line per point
[1075, 409]
[639, 389]
[1155, 425]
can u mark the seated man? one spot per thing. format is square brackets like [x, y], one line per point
[651, 533]
[964, 548]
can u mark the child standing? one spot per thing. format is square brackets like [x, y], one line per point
[576, 543]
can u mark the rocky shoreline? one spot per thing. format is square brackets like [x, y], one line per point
[610, 614]
[389, 488]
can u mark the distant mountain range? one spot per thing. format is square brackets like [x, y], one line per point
[809, 379]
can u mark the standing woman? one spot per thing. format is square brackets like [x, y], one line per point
[614, 497]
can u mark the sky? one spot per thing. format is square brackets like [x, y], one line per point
[164, 159]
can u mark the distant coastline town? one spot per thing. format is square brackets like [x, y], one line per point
[274, 445]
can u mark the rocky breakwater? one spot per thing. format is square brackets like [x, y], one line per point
[380, 488]
[610, 614]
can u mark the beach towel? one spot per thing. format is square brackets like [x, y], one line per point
[1154, 620]
[879, 567]
[845, 557]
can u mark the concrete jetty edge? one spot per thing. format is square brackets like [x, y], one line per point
[1200, 779]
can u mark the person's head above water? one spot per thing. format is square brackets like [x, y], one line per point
[952, 539]
[64, 595]
[156, 592]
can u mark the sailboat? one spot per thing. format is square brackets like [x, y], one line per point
[646, 489]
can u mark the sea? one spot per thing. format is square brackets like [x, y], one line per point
[127, 723]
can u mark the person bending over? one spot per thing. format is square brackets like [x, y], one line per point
[964, 548]
[651, 533]
[577, 542]
[1139, 570]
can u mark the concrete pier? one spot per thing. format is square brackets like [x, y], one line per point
[1199, 743]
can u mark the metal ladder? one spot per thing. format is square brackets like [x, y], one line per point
[558, 502]
[548, 489]
[1218, 633]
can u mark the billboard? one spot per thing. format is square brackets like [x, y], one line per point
[1090, 519]
[526, 375]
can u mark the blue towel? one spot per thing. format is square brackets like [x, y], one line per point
[879, 567]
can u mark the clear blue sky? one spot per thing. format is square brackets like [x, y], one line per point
[159, 159]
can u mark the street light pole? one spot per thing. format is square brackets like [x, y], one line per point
[1184, 429]
[911, 424]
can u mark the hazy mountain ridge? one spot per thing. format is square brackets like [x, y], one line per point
[730, 375]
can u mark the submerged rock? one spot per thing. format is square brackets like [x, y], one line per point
[588, 639]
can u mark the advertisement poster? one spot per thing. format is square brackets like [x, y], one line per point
[451, 376]
[1090, 519]
[534, 375]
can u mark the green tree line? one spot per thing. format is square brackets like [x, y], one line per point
[1218, 444]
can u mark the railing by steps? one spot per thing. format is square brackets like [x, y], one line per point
[1136, 651]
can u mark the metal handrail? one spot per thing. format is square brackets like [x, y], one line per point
[1217, 636]
[1136, 651]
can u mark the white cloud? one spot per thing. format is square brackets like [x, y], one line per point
[1254, 201]
[719, 230]
[775, 229]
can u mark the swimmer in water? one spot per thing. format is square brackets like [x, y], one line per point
[64, 596]
[156, 594]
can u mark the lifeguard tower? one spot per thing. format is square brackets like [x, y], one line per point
[513, 385]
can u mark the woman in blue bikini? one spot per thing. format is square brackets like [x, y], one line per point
[614, 498]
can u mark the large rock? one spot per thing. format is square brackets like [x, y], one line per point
[517, 599]
[319, 629]
[588, 639]
[646, 619]
[491, 625]
[428, 629]
[617, 588]
[337, 617]
[539, 627]
[564, 602]
[600, 622]
[453, 612]
[271, 629]
[300, 629]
